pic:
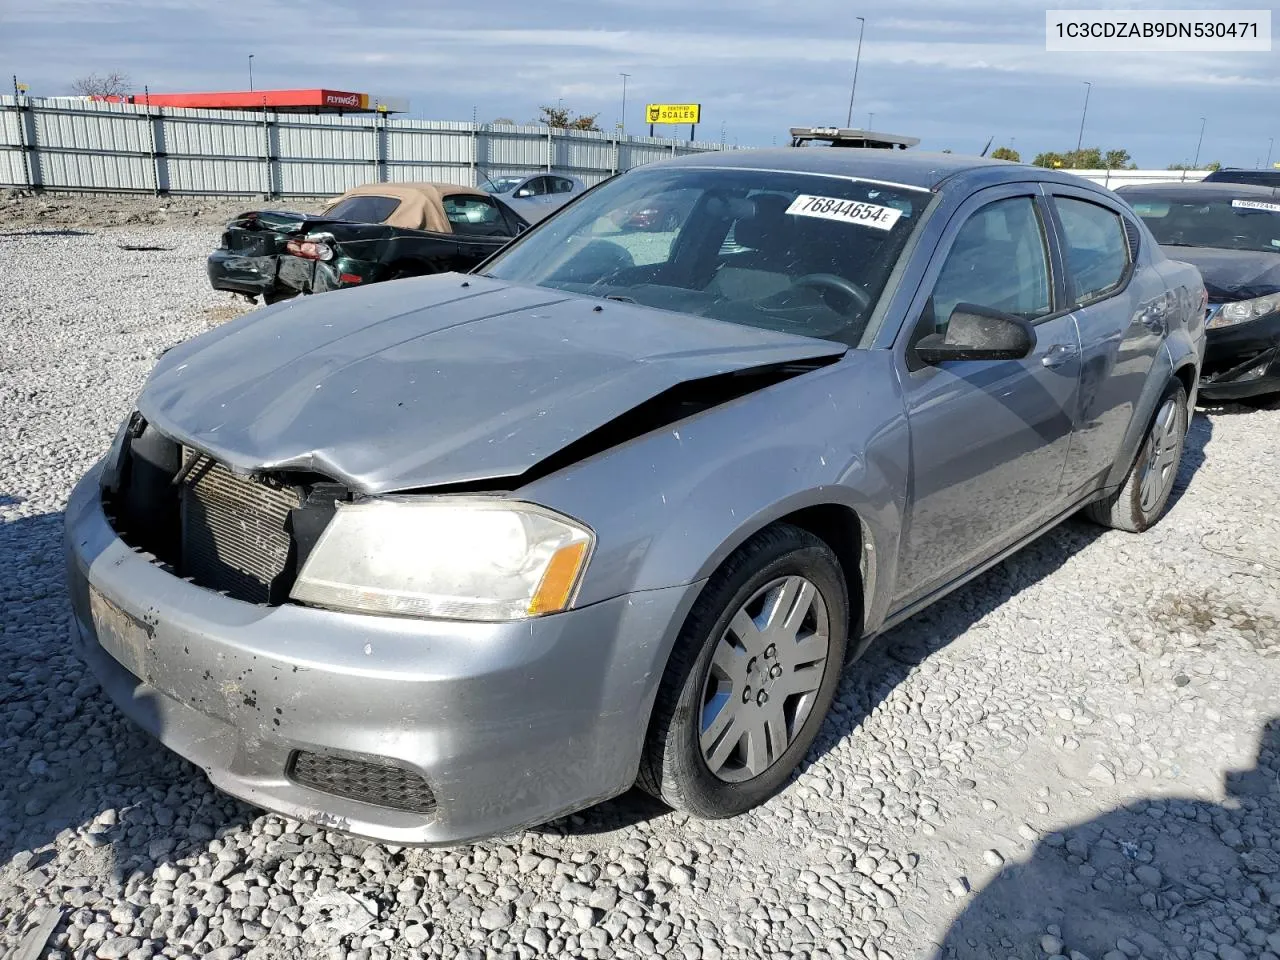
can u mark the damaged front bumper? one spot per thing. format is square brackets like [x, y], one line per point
[1242, 360]
[497, 725]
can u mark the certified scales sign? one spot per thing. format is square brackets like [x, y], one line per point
[689, 113]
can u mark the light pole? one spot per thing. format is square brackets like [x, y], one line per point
[1270, 143]
[871, 121]
[862, 21]
[1195, 164]
[1088, 89]
[251, 73]
[622, 124]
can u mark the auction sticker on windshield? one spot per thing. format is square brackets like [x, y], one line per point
[847, 211]
[1256, 205]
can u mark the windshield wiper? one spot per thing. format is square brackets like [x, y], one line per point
[620, 298]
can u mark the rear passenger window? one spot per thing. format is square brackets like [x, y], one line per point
[998, 260]
[563, 185]
[1096, 250]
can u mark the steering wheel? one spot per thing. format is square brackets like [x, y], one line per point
[830, 282]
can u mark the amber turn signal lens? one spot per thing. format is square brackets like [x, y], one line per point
[561, 576]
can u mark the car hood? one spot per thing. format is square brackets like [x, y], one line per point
[1232, 274]
[435, 380]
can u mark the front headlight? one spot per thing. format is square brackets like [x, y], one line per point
[447, 557]
[1242, 311]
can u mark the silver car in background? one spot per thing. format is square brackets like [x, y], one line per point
[537, 196]
[440, 558]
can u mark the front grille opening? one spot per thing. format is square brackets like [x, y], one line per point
[245, 537]
[377, 783]
[235, 530]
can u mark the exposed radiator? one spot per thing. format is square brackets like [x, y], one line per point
[234, 535]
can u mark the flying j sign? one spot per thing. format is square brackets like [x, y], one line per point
[674, 112]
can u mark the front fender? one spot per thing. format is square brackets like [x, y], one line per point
[670, 506]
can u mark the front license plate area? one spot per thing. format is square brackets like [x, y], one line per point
[121, 634]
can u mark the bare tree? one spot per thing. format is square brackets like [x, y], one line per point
[102, 85]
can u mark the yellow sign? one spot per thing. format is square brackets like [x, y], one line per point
[673, 112]
[23, 87]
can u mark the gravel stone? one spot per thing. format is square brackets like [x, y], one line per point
[1074, 711]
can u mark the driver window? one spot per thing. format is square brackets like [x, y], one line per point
[999, 260]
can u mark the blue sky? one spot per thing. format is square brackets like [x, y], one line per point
[951, 73]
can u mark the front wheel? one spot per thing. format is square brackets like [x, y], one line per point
[1139, 503]
[751, 677]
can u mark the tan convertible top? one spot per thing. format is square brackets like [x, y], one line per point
[420, 207]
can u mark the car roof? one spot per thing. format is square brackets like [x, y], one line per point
[912, 168]
[1192, 192]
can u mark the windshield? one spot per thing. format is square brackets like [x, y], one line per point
[502, 184]
[1232, 223]
[791, 252]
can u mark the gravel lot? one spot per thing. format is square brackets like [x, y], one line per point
[1075, 756]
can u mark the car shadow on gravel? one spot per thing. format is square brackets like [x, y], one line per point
[71, 763]
[892, 657]
[1155, 878]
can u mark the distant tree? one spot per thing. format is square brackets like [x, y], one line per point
[1050, 160]
[507, 120]
[1116, 159]
[564, 119]
[1006, 153]
[102, 85]
[1213, 166]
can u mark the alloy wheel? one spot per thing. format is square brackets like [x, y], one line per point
[1162, 463]
[763, 678]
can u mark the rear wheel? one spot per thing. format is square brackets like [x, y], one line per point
[1139, 503]
[751, 677]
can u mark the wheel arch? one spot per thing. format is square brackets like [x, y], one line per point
[841, 527]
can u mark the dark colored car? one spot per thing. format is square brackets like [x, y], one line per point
[445, 557]
[1231, 232]
[1257, 178]
[382, 231]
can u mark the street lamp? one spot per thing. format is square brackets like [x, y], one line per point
[857, 60]
[871, 121]
[1195, 164]
[1088, 88]
[251, 73]
[622, 125]
[1270, 143]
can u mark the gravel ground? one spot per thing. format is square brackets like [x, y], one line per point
[1075, 756]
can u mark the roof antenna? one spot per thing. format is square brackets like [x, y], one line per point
[987, 147]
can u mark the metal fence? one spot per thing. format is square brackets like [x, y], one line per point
[1121, 178]
[71, 144]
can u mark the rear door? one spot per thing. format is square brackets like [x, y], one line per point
[1121, 312]
[989, 438]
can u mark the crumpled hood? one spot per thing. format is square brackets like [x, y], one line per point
[435, 380]
[1232, 274]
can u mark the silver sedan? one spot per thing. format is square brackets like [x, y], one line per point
[441, 558]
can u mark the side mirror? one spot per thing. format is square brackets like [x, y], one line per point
[524, 192]
[978, 333]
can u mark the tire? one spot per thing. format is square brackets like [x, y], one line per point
[275, 296]
[1141, 500]
[769, 571]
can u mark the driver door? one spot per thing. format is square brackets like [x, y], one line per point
[989, 438]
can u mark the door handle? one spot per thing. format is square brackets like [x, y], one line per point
[1058, 354]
